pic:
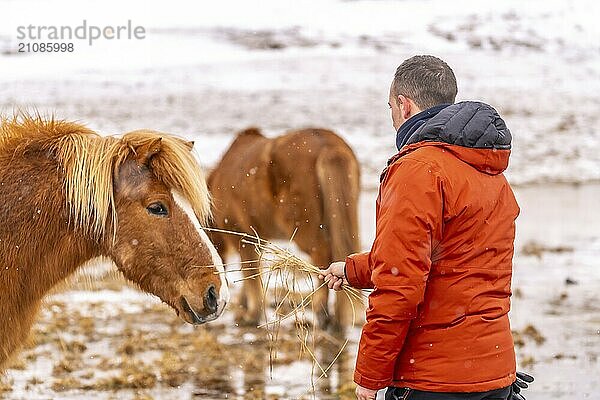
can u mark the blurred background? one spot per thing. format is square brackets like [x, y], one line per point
[208, 69]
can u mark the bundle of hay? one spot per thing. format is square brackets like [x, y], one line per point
[291, 277]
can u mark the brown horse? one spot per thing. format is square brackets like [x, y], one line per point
[305, 181]
[69, 195]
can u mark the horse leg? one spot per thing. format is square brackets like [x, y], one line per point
[251, 297]
[344, 309]
[321, 297]
[347, 311]
[20, 331]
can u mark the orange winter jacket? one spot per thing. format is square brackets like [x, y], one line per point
[440, 267]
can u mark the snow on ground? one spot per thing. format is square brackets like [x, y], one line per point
[556, 309]
[206, 70]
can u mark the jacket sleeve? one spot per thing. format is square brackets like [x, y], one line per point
[408, 227]
[358, 270]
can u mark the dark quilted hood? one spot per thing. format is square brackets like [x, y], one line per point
[468, 124]
[472, 131]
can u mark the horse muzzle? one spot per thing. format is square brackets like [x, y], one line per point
[213, 308]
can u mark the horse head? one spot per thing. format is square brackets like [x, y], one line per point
[158, 242]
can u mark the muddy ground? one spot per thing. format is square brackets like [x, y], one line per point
[100, 338]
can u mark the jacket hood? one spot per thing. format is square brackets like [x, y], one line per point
[472, 131]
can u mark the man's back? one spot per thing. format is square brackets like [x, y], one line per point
[462, 324]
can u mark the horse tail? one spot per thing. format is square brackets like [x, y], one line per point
[339, 179]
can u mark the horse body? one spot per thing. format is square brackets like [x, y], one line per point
[69, 195]
[305, 182]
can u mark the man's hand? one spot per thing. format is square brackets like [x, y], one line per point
[522, 382]
[365, 394]
[335, 275]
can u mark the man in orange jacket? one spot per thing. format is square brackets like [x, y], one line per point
[441, 263]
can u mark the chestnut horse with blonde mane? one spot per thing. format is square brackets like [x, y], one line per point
[69, 195]
[306, 182]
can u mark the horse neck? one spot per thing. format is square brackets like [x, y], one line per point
[39, 247]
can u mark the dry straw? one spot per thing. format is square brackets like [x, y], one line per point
[285, 276]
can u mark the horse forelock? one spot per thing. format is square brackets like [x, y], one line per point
[177, 166]
[89, 162]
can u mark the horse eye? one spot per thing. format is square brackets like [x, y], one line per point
[158, 209]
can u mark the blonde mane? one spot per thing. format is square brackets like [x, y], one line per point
[89, 162]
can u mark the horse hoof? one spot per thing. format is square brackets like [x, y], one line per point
[337, 327]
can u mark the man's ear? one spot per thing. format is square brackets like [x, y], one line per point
[405, 106]
[145, 152]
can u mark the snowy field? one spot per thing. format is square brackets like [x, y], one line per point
[208, 69]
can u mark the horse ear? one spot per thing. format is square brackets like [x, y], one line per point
[145, 152]
[188, 144]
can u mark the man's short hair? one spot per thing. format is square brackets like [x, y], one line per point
[426, 80]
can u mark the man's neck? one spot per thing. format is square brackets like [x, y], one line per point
[415, 122]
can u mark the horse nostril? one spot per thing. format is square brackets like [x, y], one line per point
[210, 300]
